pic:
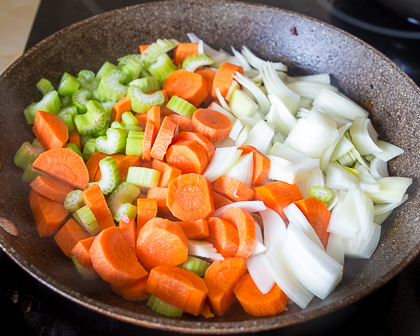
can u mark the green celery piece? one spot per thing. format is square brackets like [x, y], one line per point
[80, 99]
[84, 139]
[89, 148]
[111, 85]
[87, 75]
[320, 193]
[162, 68]
[105, 68]
[44, 86]
[113, 142]
[83, 271]
[74, 201]
[181, 106]
[195, 265]
[74, 148]
[31, 173]
[134, 143]
[122, 61]
[67, 114]
[117, 125]
[99, 96]
[132, 70]
[102, 131]
[68, 85]
[121, 199]
[162, 307]
[110, 175]
[65, 101]
[146, 84]
[155, 49]
[108, 109]
[93, 120]
[88, 80]
[142, 102]
[49, 103]
[128, 118]
[86, 219]
[27, 153]
[143, 177]
[193, 62]
[133, 128]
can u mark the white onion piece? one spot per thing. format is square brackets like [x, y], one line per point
[305, 103]
[367, 181]
[389, 151]
[338, 177]
[379, 219]
[223, 159]
[378, 168]
[380, 209]
[364, 136]
[233, 86]
[257, 62]
[228, 142]
[393, 189]
[283, 170]
[326, 155]
[315, 179]
[314, 268]
[250, 206]
[241, 59]
[343, 147]
[281, 116]
[237, 127]
[335, 248]
[202, 248]
[217, 56]
[259, 269]
[309, 89]
[222, 100]
[365, 210]
[363, 248]
[259, 246]
[251, 121]
[274, 228]
[218, 108]
[243, 169]
[318, 78]
[334, 200]
[201, 47]
[260, 136]
[243, 135]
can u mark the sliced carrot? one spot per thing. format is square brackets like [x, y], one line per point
[149, 138]
[213, 124]
[74, 137]
[161, 242]
[317, 213]
[188, 156]
[154, 115]
[245, 225]
[206, 312]
[142, 118]
[219, 200]
[189, 197]
[208, 75]
[220, 278]
[278, 195]
[51, 187]
[49, 215]
[182, 50]
[261, 164]
[92, 165]
[146, 210]
[50, 130]
[64, 164]
[256, 303]
[143, 48]
[95, 200]
[127, 162]
[224, 77]
[163, 139]
[81, 252]
[68, 236]
[200, 138]
[186, 85]
[129, 231]
[167, 172]
[160, 194]
[147, 164]
[113, 259]
[235, 190]
[121, 106]
[184, 123]
[224, 236]
[178, 287]
[135, 291]
[197, 229]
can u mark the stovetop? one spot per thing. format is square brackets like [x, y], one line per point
[28, 307]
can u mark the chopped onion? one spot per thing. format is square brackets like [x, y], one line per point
[367, 181]
[223, 159]
[259, 269]
[309, 89]
[237, 127]
[318, 78]
[315, 179]
[328, 152]
[234, 86]
[251, 121]
[378, 168]
[393, 189]
[243, 135]
[241, 59]
[222, 100]
[335, 248]
[250, 206]
[389, 151]
[343, 147]
[218, 108]
[274, 228]
[363, 248]
[281, 116]
[379, 219]
[260, 136]
[201, 47]
[380, 209]
[243, 169]
[334, 200]
[257, 62]
[202, 248]
[259, 246]
[364, 206]
[364, 136]
[338, 177]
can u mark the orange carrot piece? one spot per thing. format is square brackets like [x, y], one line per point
[261, 164]
[64, 164]
[143, 47]
[178, 287]
[135, 291]
[200, 138]
[219, 200]
[50, 130]
[224, 77]
[167, 172]
[235, 190]
[74, 137]
[245, 225]
[213, 124]
[317, 213]
[184, 123]
[149, 139]
[208, 75]
[127, 162]
[147, 209]
[129, 231]
[197, 229]
[278, 195]
[186, 85]
[95, 200]
[161, 242]
[224, 236]
[121, 106]
[51, 187]
[142, 118]
[182, 50]
[92, 164]
[160, 194]
[68, 236]
[256, 303]
[113, 259]
[163, 139]
[147, 164]
[49, 215]
[188, 156]
[189, 197]
[81, 252]
[206, 312]
[220, 278]
[154, 115]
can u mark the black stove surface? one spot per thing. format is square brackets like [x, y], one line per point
[28, 307]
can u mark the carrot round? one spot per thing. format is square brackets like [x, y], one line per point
[135, 291]
[182, 50]
[81, 252]
[167, 172]
[213, 124]
[224, 77]
[197, 229]
[178, 287]
[51, 187]
[163, 139]
[121, 106]
[95, 200]
[92, 165]
[224, 236]
[64, 164]
[186, 85]
[184, 123]
[188, 156]
[160, 194]
[149, 138]
[261, 164]
[220, 278]
[245, 225]
[69, 235]
[146, 210]
[189, 197]
[129, 231]
[74, 137]
[256, 303]
[113, 259]
[219, 200]
[200, 138]
[50, 130]
[208, 75]
[235, 190]
[154, 115]
[161, 242]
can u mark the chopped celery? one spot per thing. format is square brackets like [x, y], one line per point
[162, 307]
[86, 219]
[49, 103]
[320, 193]
[193, 62]
[196, 265]
[87, 80]
[118, 125]
[143, 177]
[133, 128]
[155, 49]
[74, 201]
[134, 143]
[66, 114]
[89, 148]
[242, 105]
[99, 96]
[162, 68]
[110, 175]
[132, 70]
[93, 120]
[142, 102]
[65, 101]
[80, 98]
[129, 119]
[111, 85]
[31, 173]
[181, 106]
[146, 84]
[108, 109]
[27, 153]
[44, 86]
[114, 141]
[121, 199]
[74, 148]
[105, 68]
[84, 139]
[68, 85]
[122, 61]
[101, 132]
[87, 75]
[83, 271]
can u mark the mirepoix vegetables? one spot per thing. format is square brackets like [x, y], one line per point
[212, 176]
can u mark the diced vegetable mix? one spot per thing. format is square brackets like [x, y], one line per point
[210, 175]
